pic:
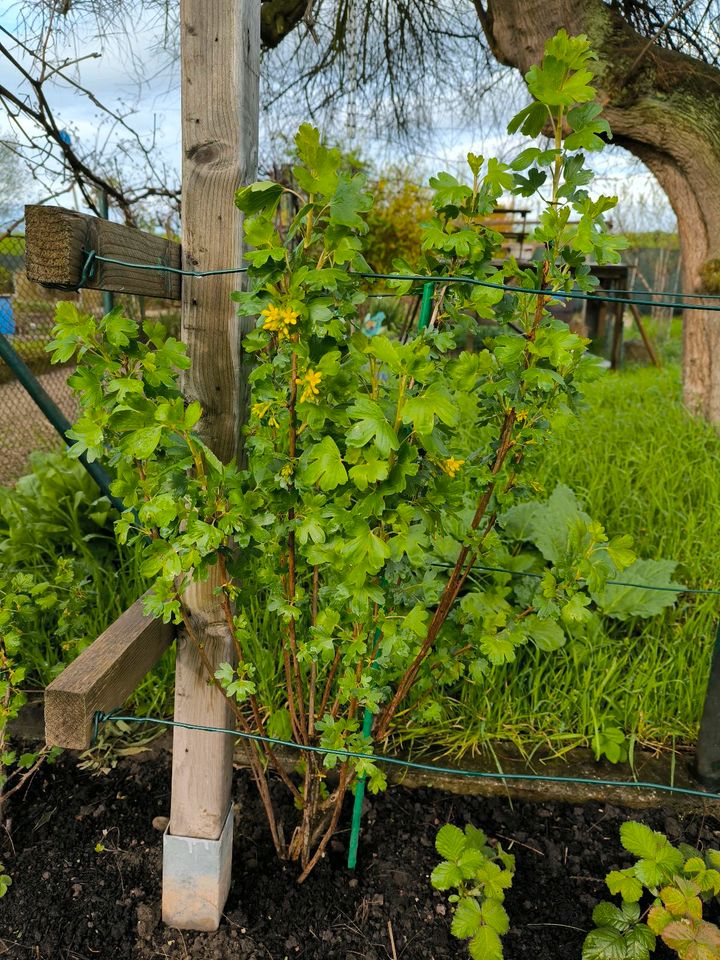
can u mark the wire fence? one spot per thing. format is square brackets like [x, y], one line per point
[27, 313]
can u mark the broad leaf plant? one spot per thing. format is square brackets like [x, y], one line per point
[357, 512]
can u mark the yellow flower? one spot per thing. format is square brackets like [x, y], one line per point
[451, 466]
[521, 416]
[309, 383]
[279, 320]
[273, 317]
[260, 409]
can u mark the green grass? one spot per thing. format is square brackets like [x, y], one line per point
[57, 513]
[642, 466]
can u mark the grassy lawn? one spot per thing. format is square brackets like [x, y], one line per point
[642, 466]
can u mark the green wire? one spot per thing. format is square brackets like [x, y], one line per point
[101, 717]
[610, 583]
[93, 256]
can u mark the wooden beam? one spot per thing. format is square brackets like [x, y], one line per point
[57, 242]
[103, 676]
[220, 58]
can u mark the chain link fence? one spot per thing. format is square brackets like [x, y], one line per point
[26, 318]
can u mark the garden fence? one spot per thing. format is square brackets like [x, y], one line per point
[27, 313]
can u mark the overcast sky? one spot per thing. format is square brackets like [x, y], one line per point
[155, 104]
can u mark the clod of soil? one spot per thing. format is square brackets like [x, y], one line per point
[85, 858]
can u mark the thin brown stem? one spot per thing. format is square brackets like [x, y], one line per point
[252, 699]
[320, 849]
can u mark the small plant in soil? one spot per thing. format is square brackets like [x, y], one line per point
[355, 483]
[479, 876]
[676, 881]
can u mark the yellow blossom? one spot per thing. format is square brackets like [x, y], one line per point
[309, 382]
[521, 416]
[273, 317]
[279, 320]
[451, 466]
[260, 409]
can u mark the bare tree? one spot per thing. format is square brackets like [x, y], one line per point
[122, 162]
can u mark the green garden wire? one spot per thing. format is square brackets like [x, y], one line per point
[92, 257]
[101, 717]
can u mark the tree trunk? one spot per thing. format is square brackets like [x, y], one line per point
[664, 107]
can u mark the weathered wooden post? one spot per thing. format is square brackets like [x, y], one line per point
[220, 49]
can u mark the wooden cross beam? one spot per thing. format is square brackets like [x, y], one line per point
[57, 242]
[103, 676]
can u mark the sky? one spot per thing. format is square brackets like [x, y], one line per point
[155, 106]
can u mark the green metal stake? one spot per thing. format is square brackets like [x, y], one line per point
[426, 305]
[360, 789]
[53, 413]
[423, 323]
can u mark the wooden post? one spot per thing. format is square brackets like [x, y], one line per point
[220, 51]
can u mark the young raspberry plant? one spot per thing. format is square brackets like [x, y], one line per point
[479, 876]
[679, 880]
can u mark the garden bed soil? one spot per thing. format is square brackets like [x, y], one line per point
[85, 860]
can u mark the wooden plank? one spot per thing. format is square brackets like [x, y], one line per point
[103, 676]
[57, 242]
[220, 51]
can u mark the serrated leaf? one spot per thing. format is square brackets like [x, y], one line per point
[467, 919]
[693, 940]
[445, 876]
[622, 602]
[495, 916]
[639, 942]
[450, 842]
[606, 943]
[485, 945]
[325, 466]
[623, 883]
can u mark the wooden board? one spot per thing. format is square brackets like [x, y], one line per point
[57, 242]
[220, 55]
[103, 676]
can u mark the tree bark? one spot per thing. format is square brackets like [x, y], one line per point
[664, 107]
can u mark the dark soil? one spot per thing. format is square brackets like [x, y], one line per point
[85, 861]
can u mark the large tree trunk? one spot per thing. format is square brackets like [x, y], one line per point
[665, 108]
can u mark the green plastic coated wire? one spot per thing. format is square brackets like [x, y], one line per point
[92, 257]
[101, 717]
[610, 583]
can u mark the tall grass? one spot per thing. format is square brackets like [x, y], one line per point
[642, 466]
[56, 513]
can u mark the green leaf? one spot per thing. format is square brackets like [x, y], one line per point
[421, 410]
[624, 883]
[485, 945]
[450, 842]
[258, 197]
[446, 875]
[324, 465]
[495, 916]
[141, 443]
[622, 603]
[547, 635]
[371, 424]
[467, 920]
[639, 942]
[606, 943]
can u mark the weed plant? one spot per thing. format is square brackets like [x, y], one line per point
[55, 517]
[643, 465]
